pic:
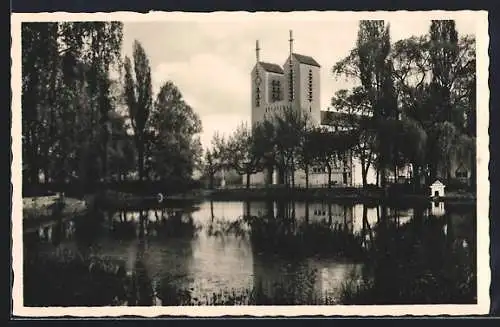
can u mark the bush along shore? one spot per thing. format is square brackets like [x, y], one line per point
[347, 194]
[69, 279]
[37, 210]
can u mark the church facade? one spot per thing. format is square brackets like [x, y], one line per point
[295, 86]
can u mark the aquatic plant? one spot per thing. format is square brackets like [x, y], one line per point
[66, 278]
[415, 264]
[280, 292]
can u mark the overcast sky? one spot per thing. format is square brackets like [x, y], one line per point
[210, 61]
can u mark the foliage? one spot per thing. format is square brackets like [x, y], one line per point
[75, 128]
[215, 158]
[415, 264]
[426, 83]
[139, 98]
[66, 98]
[241, 153]
[173, 126]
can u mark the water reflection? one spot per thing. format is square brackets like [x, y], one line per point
[269, 252]
[437, 209]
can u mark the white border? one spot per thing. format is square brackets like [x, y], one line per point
[483, 268]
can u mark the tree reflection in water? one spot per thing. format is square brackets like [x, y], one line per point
[416, 263]
[423, 259]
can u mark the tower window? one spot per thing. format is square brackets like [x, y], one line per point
[257, 97]
[275, 90]
[310, 86]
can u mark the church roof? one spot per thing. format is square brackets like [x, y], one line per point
[272, 68]
[306, 60]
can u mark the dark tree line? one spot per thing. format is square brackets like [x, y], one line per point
[415, 100]
[88, 116]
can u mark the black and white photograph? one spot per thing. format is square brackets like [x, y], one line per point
[243, 163]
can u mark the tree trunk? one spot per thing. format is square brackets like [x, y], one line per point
[383, 180]
[141, 161]
[105, 154]
[307, 176]
[364, 175]
[396, 174]
[211, 181]
[384, 213]
[330, 218]
[30, 113]
[33, 160]
[448, 169]
[329, 168]
[433, 172]
[281, 175]
[248, 180]
[416, 178]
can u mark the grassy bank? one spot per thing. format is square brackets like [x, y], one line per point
[348, 195]
[37, 210]
[68, 279]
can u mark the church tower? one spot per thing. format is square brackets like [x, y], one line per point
[295, 85]
[267, 87]
[274, 88]
[303, 83]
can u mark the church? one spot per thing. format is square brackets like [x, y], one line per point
[295, 85]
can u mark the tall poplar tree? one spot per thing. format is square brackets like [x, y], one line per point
[139, 99]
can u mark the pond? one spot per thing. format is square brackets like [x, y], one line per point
[243, 253]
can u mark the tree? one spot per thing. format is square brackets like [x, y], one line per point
[355, 115]
[431, 81]
[61, 64]
[39, 56]
[122, 154]
[241, 153]
[412, 143]
[332, 147]
[174, 128]
[264, 144]
[138, 95]
[290, 126]
[370, 64]
[214, 159]
[308, 152]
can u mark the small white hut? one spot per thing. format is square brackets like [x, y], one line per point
[437, 189]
